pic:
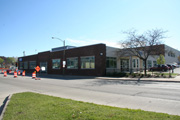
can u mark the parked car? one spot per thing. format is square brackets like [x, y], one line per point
[20, 71]
[177, 66]
[159, 68]
[8, 70]
[170, 66]
[174, 65]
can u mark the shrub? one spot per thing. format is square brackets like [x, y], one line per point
[142, 75]
[162, 74]
[148, 75]
[122, 74]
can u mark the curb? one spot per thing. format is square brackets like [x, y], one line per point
[5, 106]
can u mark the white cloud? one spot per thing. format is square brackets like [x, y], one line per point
[92, 41]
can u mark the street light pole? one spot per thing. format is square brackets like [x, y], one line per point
[64, 62]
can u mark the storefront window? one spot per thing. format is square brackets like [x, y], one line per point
[134, 63]
[124, 65]
[21, 65]
[149, 63]
[32, 64]
[25, 65]
[111, 62]
[88, 62]
[154, 63]
[72, 63]
[56, 63]
[137, 61]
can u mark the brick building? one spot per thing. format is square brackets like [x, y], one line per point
[87, 60]
[92, 60]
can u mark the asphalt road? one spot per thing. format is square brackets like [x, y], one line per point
[150, 96]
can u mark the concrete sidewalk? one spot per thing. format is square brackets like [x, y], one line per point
[176, 79]
[74, 77]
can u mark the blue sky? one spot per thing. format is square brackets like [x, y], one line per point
[28, 25]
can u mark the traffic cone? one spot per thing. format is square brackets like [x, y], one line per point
[15, 74]
[23, 73]
[19, 72]
[33, 75]
[5, 74]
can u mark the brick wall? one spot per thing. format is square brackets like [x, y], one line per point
[99, 51]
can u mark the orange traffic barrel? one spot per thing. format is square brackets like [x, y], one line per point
[5, 74]
[19, 72]
[15, 74]
[33, 75]
[23, 73]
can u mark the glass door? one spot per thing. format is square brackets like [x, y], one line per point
[124, 65]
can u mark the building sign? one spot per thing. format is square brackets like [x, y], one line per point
[43, 68]
[20, 59]
[64, 64]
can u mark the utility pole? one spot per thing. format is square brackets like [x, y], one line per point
[64, 62]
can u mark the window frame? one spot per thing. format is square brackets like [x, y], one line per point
[59, 64]
[26, 62]
[76, 67]
[149, 61]
[90, 62]
[21, 64]
[114, 60]
[30, 65]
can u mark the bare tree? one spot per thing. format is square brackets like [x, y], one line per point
[143, 45]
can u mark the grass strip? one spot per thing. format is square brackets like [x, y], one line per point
[34, 106]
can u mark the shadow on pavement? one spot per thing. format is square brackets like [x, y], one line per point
[62, 77]
[3, 105]
[137, 82]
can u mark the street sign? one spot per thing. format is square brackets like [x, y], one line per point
[64, 64]
[37, 68]
[43, 68]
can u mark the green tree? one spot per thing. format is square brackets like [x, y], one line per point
[161, 60]
[10, 60]
[1, 62]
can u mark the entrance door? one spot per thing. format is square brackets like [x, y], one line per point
[124, 65]
[43, 66]
[135, 64]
